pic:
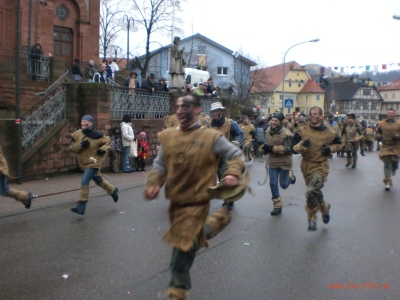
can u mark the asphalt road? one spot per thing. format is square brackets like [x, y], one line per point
[115, 250]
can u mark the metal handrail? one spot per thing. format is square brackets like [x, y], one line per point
[55, 83]
[112, 81]
[45, 96]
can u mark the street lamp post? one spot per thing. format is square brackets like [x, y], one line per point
[128, 27]
[283, 70]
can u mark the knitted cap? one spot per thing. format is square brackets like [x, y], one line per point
[279, 116]
[88, 118]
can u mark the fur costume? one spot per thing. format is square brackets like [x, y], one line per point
[22, 196]
[281, 155]
[313, 160]
[248, 131]
[191, 165]
[315, 166]
[279, 162]
[390, 149]
[88, 157]
[223, 125]
[3, 164]
[384, 132]
[187, 162]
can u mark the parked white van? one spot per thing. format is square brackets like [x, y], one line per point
[192, 76]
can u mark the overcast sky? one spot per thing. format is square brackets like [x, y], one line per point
[351, 32]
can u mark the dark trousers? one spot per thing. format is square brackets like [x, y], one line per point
[182, 262]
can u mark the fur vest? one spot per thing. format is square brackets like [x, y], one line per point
[3, 164]
[318, 137]
[192, 168]
[225, 128]
[281, 139]
[88, 157]
[247, 129]
[385, 130]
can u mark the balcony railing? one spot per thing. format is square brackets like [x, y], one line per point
[138, 103]
[141, 104]
[35, 69]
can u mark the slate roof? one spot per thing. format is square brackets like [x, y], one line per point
[343, 90]
[207, 41]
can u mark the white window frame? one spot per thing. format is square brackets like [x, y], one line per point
[219, 69]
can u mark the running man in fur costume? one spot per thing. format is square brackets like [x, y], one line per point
[389, 133]
[91, 146]
[280, 159]
[24, 197]
[229, 128]
[187, 162]
[316, 143]
[248, 132]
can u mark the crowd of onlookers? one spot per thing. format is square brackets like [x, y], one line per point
[108, 69]
[206, 89]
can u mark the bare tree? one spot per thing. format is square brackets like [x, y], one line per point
[111, 17]
[248, 76]
[154, 16]
[260, 90]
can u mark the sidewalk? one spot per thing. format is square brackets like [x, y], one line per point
[65, 189]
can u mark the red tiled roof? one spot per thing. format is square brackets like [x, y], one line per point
[273, 76]
[312, 87]
[394, 86]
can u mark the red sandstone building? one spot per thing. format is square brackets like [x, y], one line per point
[67, 28]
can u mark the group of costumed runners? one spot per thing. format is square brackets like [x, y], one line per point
[200, 158]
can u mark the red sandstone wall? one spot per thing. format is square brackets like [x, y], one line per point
[53, 156]
[83, 21]
[27, 92]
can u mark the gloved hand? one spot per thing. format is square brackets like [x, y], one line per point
[326, 150]
[100, 151]
[306, 143]
[395, 137]
[85, 143]
[267, 148]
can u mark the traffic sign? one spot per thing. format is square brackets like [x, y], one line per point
[288, 103]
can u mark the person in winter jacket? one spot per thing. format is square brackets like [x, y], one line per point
[143, 150]
[127, 138]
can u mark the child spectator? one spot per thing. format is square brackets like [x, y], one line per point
[116, 149]
[143, 149]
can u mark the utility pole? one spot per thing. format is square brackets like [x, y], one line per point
[18, 139]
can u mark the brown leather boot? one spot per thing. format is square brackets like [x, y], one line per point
[217, 221]
[22, 196]
[277, 206]
[174, 293]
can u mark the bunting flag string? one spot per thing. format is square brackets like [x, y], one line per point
[360, 68]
